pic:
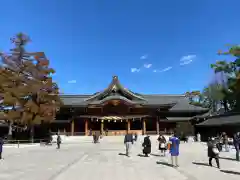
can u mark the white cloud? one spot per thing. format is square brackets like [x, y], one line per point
[186, 62]
[144, 56]
[72, 81]
[166, 69]
[135, 70]
[187, 59]
[147, 65]
[163, 70]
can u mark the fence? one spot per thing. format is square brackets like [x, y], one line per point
[23, 142]
[70, 133]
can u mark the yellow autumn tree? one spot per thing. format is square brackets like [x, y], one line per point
[28, 94]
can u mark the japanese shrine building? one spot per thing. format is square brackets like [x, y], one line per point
[117, 110]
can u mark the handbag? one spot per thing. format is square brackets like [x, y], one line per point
[215, 150]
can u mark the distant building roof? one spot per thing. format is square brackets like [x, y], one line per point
[177, 119]
[219, 120]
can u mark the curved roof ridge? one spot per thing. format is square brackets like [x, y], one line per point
[75, 95]
[114, 82]
[179, 95]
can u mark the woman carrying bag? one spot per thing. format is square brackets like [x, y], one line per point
[162, 144]
[213, 152]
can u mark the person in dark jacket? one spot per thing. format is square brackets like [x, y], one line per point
[213, 152]
[162, 144]
[135, 137]
[1, 147]
[106, 132]
[59, 141]
[146, 146]
[128, 141]
[236, 143]
[94, 137]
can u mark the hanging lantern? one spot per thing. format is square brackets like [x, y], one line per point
[121, 120]
[115, 121]
[97, 120]
[101, 120]
[108, 120]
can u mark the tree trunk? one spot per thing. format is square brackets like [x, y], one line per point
[214, 108]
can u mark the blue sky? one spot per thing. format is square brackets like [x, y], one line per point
[153, 46]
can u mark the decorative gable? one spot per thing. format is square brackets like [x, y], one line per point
[116, 89]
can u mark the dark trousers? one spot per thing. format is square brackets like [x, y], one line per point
[237, 151]
[58, 145]
[217, 161]
[0, 155]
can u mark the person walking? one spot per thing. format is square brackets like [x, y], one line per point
[174, 149]
[236, 143]
[94, 137]
[90, 132]
[98, 134]
[135, 137]
[198, 137]
[147, 146]
[1, 147]
[225, 141]
[162, 144]
[213, 152]
[128, 141]
[106, 132]
[59, 141]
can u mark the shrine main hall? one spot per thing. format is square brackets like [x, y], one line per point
[117, 110]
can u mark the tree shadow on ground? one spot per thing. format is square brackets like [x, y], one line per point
[230, 172]
[200, 164]
[164, 163]
[228, 158]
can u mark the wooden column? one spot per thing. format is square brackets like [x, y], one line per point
[72, 127]
[157, 125]
[86, 127]
[128, 125]
[144, 126]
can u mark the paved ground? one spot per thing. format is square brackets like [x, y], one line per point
[102, 161]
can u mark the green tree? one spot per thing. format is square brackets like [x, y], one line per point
[232, 70]
[212, 96]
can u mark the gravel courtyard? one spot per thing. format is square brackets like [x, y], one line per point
[104, 161]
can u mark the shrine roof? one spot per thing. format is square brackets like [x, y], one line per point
[115, 91]
[224, 119]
